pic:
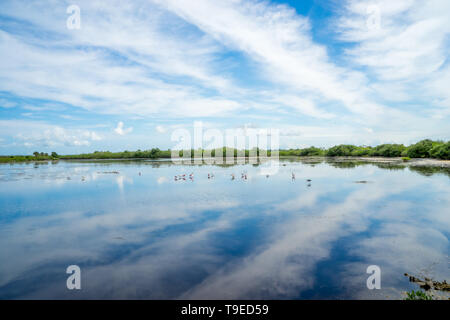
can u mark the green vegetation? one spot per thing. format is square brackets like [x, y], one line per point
[417, 295]
[388, 150]
[154, 153]
[440, 150]
[307, 152]
[341, 150]
[422, 149]
[37, 156]
[429, 149]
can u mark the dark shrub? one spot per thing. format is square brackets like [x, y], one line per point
[441, 151]
[311, 151]
[421, 149]
[341, 150]
[388, 150]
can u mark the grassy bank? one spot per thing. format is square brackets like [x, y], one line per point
[422, 149]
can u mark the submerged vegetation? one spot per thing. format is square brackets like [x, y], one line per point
[422, 149]
[430, 289]
[417, 295]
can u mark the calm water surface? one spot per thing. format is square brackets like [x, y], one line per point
[150, 237]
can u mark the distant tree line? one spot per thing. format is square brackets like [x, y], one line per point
[37, 156]
[154, 153]
[422, 149]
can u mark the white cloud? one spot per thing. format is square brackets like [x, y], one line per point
[272, 35]
[280, 40]
[39, 134]
[95, 80]
[120, 129]
[410, 43]
[57, 136]
[175, 60]
[7, 104]
[161, 129]
[305, 106]
[408, 55]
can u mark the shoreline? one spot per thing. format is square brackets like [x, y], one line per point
[414, 162]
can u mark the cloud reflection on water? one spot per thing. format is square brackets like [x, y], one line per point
[223, 239]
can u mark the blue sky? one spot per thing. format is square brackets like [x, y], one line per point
[322, 72]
